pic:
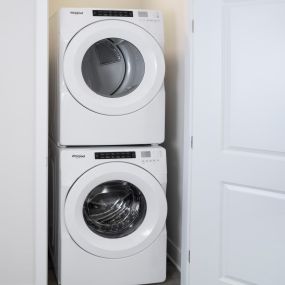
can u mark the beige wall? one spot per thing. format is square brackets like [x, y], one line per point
[56, 4]
[175, 41]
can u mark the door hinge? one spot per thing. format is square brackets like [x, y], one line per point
[189, 256]
[193, 26]
[192, 142]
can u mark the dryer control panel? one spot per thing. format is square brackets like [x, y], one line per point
[112, 13]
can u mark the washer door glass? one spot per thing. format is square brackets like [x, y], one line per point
[113, 67]
[114, 209]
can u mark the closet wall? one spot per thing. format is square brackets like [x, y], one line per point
[17, 155]
[175, 24]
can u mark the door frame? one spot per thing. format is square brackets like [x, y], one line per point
[41, 142]
[188, 145]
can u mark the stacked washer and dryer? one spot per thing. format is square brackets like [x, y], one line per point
[107, 181]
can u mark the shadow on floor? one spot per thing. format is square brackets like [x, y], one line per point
[173, 276]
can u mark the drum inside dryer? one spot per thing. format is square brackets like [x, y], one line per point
[113, 67]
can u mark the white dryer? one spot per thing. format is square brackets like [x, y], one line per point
[107, 77]
[109, 210]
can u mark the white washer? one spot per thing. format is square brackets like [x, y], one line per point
[108, 212]
[107, 77]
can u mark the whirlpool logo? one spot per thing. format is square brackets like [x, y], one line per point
[76, 13]
[78, 156]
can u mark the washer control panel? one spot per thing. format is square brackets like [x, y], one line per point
[145, 156]
[115, 155]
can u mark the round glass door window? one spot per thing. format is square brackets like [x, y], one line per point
[114, 209]
[113, 67]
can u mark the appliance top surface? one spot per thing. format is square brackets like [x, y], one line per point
[136, 147]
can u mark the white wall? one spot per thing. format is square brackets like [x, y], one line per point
[175, 29]
[17, 156]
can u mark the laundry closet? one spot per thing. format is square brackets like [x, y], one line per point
[215, 167]
[233, 137]
[109, 102]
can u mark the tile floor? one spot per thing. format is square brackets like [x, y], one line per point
[173, 276]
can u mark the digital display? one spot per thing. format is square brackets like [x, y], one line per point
[112, 13]
[115, 155]
[143, 14]
[146, 154]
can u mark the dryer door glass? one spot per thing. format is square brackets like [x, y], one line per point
[113, 67]
[114, 209]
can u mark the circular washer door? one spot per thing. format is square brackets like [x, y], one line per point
[115, 210]
[113, 67]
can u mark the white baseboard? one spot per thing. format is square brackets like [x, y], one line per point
[174, 254]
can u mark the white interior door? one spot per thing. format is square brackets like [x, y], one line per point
[238, 199]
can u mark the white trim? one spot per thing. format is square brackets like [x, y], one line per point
[41, 139]
[187, 164]
[173, 254]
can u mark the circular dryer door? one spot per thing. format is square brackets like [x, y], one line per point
[115, 210]
[113, 67]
